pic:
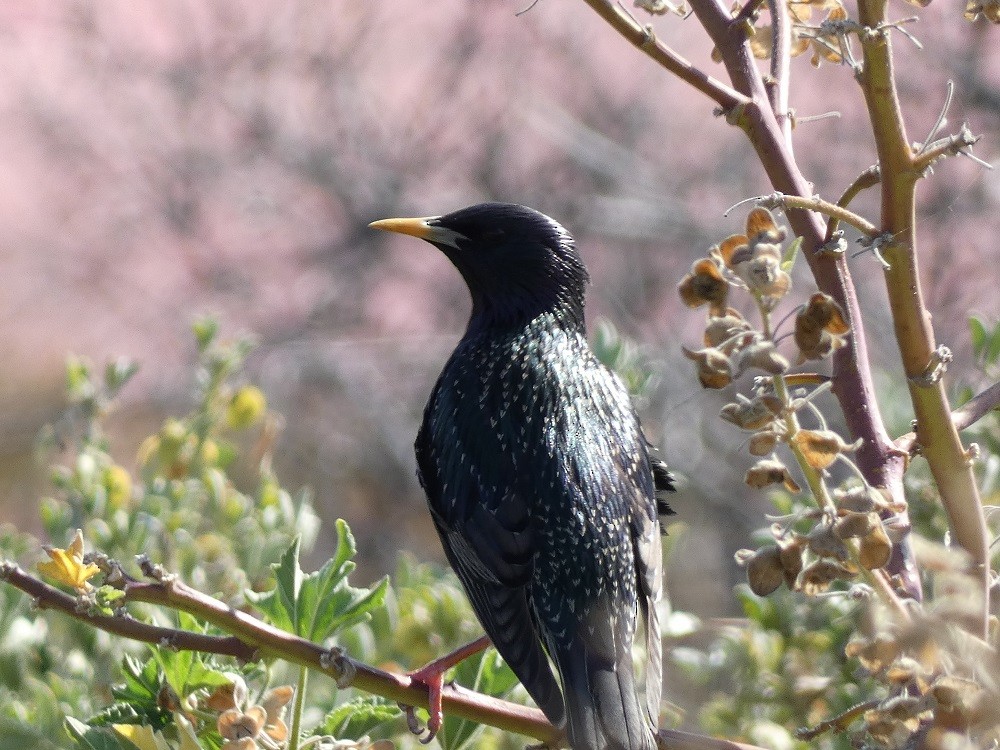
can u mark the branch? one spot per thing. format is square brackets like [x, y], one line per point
[815, 203]
[781, 52]
[936, 432]
[867, 179]
[253, 639]
[645, 39]
[959, 143]
[977, 407]
[48, 597]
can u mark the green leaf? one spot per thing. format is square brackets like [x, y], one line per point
[791, 253]
[359, 717]
[318, 605]
[205, 330]
[92, 738]
[279, 605]
[992, 353]
[117, 374]
[978, 331]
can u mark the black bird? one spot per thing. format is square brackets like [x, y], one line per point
[540, 481]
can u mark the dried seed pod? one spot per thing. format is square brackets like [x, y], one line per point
[904, 671]
[820, 328]
[764, 571]
[762, 355]
[823, 542]
[876, 653]
[819, 574]
[749, 415]
[761, 227]
[726, 329]
[770, 471]
[714, 369]
[791, 554]
[762, 443]
[874, 549]
[853, 525]
[860, 499]
[705, 284]
[820, 447]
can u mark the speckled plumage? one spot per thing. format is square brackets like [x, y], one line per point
[541, 483]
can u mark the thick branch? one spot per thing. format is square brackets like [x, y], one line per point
[253, 639]
[936, 432]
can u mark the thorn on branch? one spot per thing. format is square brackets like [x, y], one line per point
[875, 244]
[659, 7]
[336, 662]
[796, 121]
[154, 571]
[836, 246]
[935, 369]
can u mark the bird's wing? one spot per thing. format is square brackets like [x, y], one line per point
[486, 534]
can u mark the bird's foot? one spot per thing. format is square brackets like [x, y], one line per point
[432, 675]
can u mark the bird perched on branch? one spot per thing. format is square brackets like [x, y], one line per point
[540, 481]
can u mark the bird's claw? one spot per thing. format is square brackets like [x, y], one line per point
[434, 680]
[424, 734]
[432, 676]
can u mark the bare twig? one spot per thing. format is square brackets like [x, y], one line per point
[645, 39]
[867, 179]
[977, 407]
[812, 203]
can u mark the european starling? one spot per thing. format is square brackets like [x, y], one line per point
[540, 481]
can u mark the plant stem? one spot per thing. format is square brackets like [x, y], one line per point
[297, 708]
[936, 432]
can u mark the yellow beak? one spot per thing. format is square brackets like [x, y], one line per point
[414, 227]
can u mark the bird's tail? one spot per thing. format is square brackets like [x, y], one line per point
[602, 700]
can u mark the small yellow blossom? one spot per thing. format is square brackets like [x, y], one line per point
[66, 565]
[246, 407]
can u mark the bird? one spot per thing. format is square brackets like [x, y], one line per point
[541, 484]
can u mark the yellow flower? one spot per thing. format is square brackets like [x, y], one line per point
[246, 407]
[66, 565]
[118, 485]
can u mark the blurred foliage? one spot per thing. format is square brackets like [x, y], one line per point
[63, 684]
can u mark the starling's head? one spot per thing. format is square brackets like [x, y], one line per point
[516, 261]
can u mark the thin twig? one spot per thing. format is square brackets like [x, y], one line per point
[645, 39]
[812, 203]
[977, 407]
[48, 597]
[867, 179]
